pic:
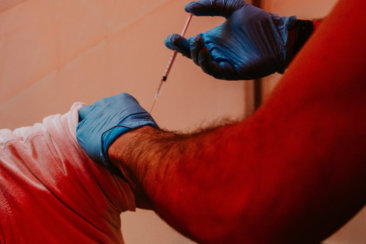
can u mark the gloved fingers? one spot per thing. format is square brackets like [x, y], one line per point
[178, 43]
[208, 65]
[202, 57]
[124, 99]
[222, 8]
[219, 70]
[83, 112]
[228, 71]
[196, 45]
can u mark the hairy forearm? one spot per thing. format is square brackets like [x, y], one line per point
[186, 179]
[291, 183]
[136, 153]
[294, 172]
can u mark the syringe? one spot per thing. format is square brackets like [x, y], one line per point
[170, 64]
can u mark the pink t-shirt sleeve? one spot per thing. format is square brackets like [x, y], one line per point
[51, 192]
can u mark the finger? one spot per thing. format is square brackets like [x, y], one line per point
[196, 44]
[219, 70]
[228, 71]
[178, 43]
[208, 65]
[83, 112]
[222, 8]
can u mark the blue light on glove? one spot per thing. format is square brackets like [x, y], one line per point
[249, 45]
[104, 121]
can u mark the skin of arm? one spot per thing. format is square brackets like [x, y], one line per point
[294, 172]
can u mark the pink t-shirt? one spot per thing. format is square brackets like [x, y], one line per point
[51, 192]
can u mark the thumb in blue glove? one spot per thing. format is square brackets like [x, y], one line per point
[107, 119]
[249, 45]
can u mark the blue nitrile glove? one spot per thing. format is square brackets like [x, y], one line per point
[249, 45]
[104, 121]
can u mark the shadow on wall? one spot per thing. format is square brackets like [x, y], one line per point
[5, 4]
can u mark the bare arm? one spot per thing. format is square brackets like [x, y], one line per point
[292, 173]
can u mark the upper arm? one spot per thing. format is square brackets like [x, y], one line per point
[293, 172]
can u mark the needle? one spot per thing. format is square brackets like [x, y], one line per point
[170, 64]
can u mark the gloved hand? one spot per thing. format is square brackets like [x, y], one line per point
[250, 44]
[104, 121]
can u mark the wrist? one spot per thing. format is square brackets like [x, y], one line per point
[298, 34]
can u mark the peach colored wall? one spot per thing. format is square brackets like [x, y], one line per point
[53, 53]
[354, 231]
[56, 52]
